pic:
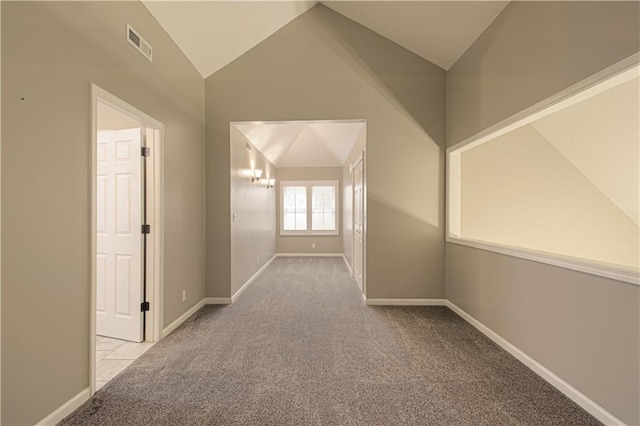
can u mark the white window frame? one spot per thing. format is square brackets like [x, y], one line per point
[309, 184]
[597, 83]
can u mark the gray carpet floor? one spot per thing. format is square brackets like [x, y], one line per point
[299, 347]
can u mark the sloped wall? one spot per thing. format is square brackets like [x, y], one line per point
[519, 190]
[600, 136]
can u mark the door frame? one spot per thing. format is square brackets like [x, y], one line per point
[360, 158]
[154, 135]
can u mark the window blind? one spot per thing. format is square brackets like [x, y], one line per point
[323, 208]
[295, 208]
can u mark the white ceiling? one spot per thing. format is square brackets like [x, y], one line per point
[212, 33]
[601, 137]
[303, 143]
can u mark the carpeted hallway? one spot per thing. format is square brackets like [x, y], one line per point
[300, 347]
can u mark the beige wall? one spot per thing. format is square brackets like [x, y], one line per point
[583, 328]
[532, 51]
[253, 232]
[299, 244]
[51, 53]
[324, 66]
[519, 190]
[347, 195]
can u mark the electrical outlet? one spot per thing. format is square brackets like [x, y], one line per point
[258, 261]
[184, 295]
[313, 245]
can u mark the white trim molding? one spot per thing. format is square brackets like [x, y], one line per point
[309, 255]
[65, 409]
[348, 266]
[252, 279]
[614, 272]
[154, 130]
[615, 74]
[217, 300]
[182, 318]
[195, 308]
[572, 393]
[406, 302]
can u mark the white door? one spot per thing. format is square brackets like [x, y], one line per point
[358, 222]
[119, 223]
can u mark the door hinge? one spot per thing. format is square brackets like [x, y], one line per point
[144, 307]
[146, 229]
[145, 151]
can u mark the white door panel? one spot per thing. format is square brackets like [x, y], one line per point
[119, 240]
[101, 270]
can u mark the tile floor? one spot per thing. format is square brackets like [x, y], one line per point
[113, 356]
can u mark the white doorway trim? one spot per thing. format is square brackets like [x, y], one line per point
[0, 237]
[360, 159]
[154, 131]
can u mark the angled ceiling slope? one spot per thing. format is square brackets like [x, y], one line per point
[213, 33]
[600, 137]
[304, 143]
[438, 31]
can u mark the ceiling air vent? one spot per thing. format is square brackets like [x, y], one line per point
[139, 43]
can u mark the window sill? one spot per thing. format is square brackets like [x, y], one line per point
[616, 272]
[309, 235]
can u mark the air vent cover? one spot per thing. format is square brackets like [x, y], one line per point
[139, 43]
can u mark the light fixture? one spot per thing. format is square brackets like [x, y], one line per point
[270, 183]
[257, 173]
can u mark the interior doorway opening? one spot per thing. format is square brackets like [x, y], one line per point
[292, 194]
[126, 248]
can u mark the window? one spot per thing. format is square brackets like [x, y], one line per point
[309, 208]
[295, 208]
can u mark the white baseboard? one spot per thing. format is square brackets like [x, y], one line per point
[572, 393]
[406, 302]
[217, 300]
[65, 409]
[182, 318]
[252, 279]
[348, 266]
[195, 308]
[309, 255]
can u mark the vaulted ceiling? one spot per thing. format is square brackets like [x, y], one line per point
[214, 33]
[304, 143]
